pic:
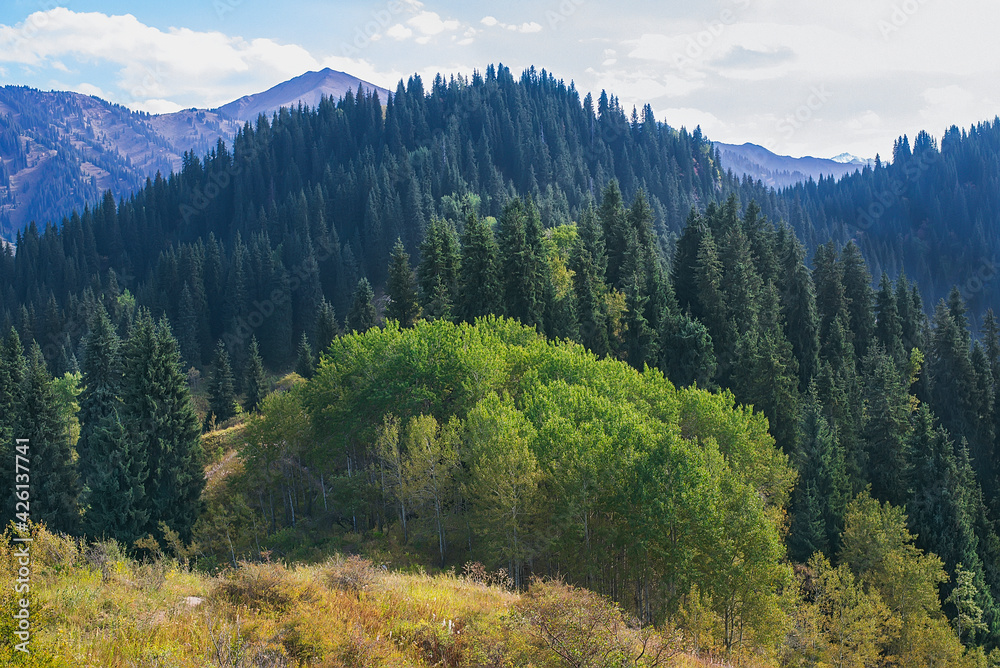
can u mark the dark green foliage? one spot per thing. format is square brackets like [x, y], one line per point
[254, 381]
[327, 328]
[362, 315]
[480, 273]
[305, 363]
[438, 272]
[116, 505]
[401, 288]
[55, 488]
[221, 395]
[686, 352]
[523, 267]
[158, 415]
[885, 427]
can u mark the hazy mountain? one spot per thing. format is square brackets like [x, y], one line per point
[307, 89]
[782, 170]
[60, 150]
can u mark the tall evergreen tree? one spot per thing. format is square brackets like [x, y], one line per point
[480, 274]
[305, 364]
[327, 328]
[54, 477]
[158, 414]
[221, 395]
[116, 506]
[362, 315]
[401, 288]
[255, 381]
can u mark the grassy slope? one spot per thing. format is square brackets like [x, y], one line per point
[92, 607]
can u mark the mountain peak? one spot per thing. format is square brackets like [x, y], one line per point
[308, 89]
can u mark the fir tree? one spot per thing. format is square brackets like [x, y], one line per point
[255, 381]
[157, 413]
[305, 364]
[401, 288]
[361, 317]
[116, 506]
[54, 477]
[327, 328]
[480, 274]
[221, 395]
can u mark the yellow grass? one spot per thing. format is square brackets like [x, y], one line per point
[93, 607]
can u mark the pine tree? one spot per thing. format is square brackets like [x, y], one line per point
[55, 490]
[158, 414]
[255, 381]
[888, 329]
[439, 268]
[362, 315]
[221, 395]
[401, 288]
[522, 267]
[860, 298]
[102, 382]
[798, 307]
[593, 325]
[304, 364]
[480, 274]
[116, 504]
[187, 325]
[327, 328]
[886, 427]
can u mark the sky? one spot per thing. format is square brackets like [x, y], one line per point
[798, 77]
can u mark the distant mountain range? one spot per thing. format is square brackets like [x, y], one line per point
[780, 171]
[61, 150]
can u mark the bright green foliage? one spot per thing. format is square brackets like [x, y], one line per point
[572, 459]
[969, 619]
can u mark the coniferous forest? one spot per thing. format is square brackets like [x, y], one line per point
[537, 333]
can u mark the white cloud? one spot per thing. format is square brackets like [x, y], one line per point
[399, 31]
[526, 27]
[430, 23]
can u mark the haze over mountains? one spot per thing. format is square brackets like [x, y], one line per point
[780, 171]
[61, 150]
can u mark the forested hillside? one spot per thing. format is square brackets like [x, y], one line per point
[797, 466]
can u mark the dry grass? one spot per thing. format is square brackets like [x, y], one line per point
[94, 607]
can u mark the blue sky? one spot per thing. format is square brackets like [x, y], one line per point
[802, 78]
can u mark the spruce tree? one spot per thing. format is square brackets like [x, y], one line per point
[401, 288]
[886, 426]
[255, 381]
[439, 268]
[55, 491]
[221, 395]
[480, 272]
[590, 313]
[158, 414]
[860, 298]
[327, 328]
[362, 315]
[116, 505]
[304, 363]
[102, 385]
[888, 329]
